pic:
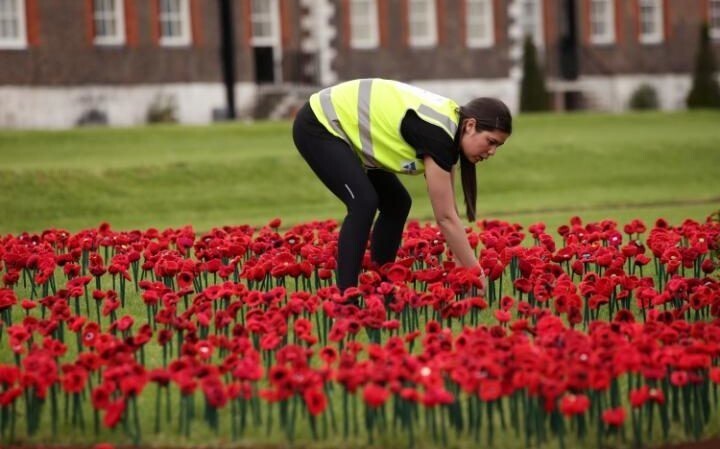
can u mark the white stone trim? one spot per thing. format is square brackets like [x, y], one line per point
[320, 28]
[61, 107]
[515, 34]
[613, 93]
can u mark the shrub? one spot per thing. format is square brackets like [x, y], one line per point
[533, 94]
[644, 98]
[92, 117]
[162, 109]
[705, 91]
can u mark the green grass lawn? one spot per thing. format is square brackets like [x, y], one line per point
[645, 166]
[555, 166]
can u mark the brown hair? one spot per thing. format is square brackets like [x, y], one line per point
[490, 114]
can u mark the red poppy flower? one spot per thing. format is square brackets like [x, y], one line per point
[715, 375]
[398, 273]
[641, 260]
[100, 396]
[375, 395]
[432, 327]
[103, 446]
[315, 400]
[507, 302]
[132, 385]
[74, 379]
[328, 354]
[639, 396]
[125, 323]
[27, 304]
[114, 412]
[302, 326]
[574, 404]
[503, 316]
[679, 378]
[656, 395]
[9, 396]
[437, 396]
[214, 391]
[490, 390]
[9, 374]
[614, 417]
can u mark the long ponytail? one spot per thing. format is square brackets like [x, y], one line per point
[490, 114]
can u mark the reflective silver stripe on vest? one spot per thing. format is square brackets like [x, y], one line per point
[366, 146]
[444, 120]
[328, 109]
[330, 114]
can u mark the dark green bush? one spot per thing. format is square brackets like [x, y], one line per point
[163, 109]
[644, 98]
[705, 91]
[533, 93]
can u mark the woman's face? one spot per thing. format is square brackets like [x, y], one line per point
[480, 145]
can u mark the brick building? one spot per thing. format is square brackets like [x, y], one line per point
[69, 62]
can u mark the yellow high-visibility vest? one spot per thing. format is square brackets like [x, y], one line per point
[367, 113]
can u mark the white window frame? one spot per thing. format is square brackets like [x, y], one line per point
[608, 37]
[656, 18]
[118, 15]
[185, 37]
[536, 22]
[714, 19]
[370, 15]
[273, 20]
[485, 23]
[430, 38]
[20, 41]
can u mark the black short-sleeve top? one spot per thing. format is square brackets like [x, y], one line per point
[429, 139]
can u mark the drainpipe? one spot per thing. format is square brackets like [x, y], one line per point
[227, 55]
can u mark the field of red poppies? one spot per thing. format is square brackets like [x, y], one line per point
[600, 331]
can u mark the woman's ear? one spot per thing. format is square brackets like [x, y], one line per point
[469, 125]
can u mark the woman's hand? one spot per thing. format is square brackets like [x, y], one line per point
[484, 281]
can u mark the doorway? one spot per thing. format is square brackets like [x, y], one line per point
[265, 18]
[264, 65]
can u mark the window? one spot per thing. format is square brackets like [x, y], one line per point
[531, 21]
[363, 24]
[423, 29]
[651, 21]
[108, 22]
[480, 29]
[264, 19]
[174, 22]
[602, 22]
[12, 24]
[714, 19]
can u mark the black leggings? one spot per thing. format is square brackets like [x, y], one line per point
[363, 192]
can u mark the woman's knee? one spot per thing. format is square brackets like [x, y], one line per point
[363, 204]
[405, 203]
[399, 205]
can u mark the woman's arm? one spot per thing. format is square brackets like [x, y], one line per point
[442, 198]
